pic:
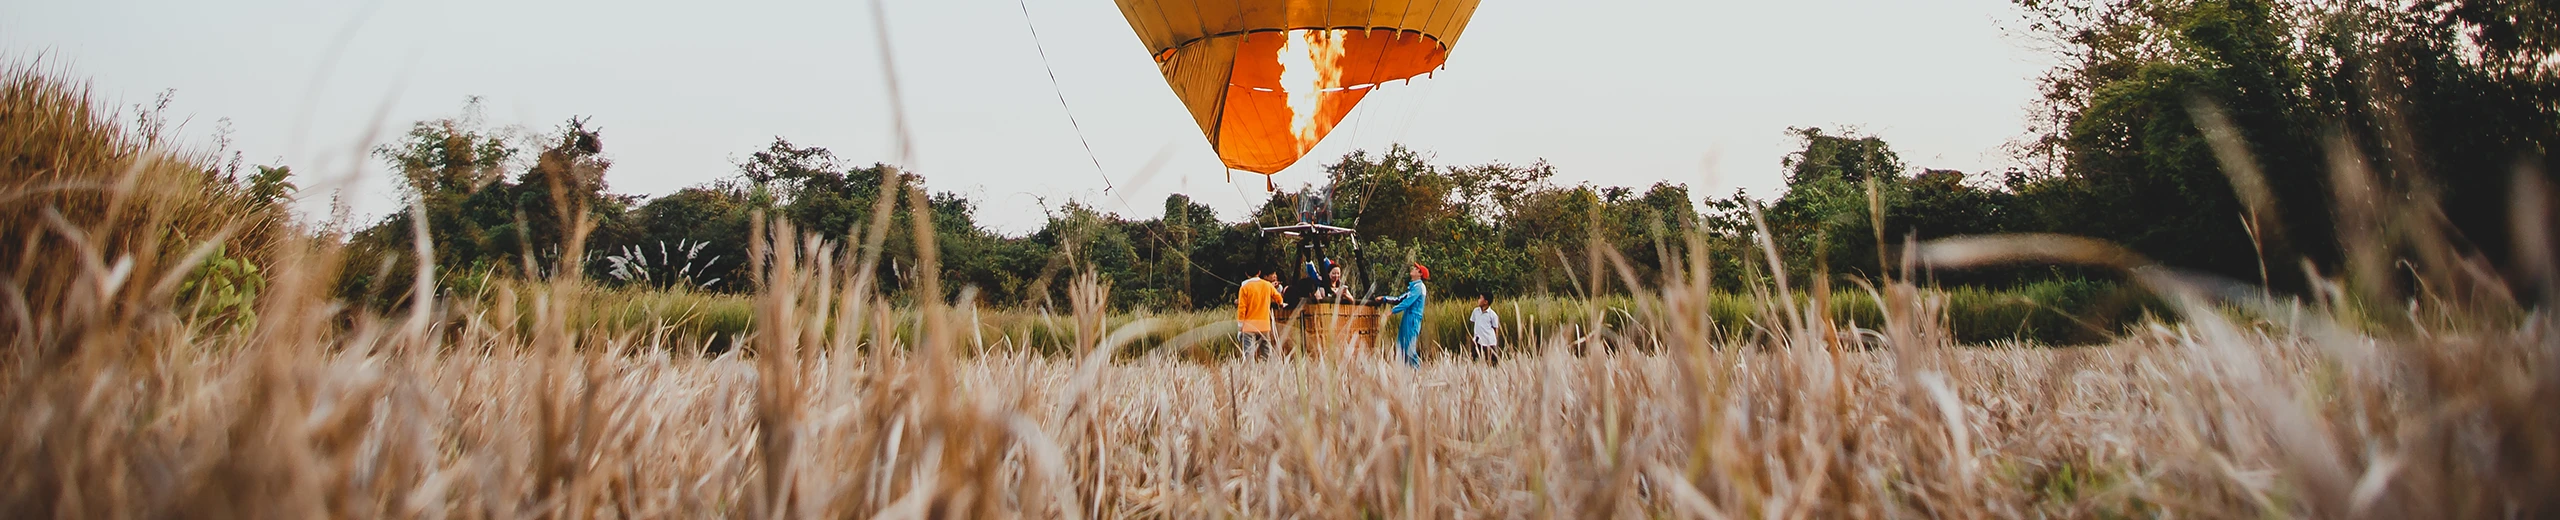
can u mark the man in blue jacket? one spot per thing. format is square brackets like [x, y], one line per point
[1409, 306]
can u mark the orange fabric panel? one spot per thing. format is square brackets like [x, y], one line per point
[1163, 25]
[1222, 59]
[1368, 58]
[1257, 129]
[1199, 77]
[1259, 135]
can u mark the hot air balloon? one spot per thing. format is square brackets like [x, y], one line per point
[1267, 79]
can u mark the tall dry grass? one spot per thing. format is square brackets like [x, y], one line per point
[72, 175]
[2374, 400]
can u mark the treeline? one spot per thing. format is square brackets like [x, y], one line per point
[492, 214]
[2207, 134]
[2218, 135]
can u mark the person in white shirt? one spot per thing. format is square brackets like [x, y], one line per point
[1485, 325]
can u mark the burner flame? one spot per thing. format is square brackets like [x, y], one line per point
[1309, 65]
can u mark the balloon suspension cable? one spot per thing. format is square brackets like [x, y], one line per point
[1107, 186]
[1062, 96]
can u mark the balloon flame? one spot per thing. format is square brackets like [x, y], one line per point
[1308, 65]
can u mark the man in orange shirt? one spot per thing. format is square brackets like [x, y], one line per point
[1253, 312]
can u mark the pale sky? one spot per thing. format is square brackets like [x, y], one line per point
[1613, 92]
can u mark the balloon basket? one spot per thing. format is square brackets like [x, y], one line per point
[1331, 329]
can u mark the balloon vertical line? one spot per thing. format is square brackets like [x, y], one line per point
[1061, 92]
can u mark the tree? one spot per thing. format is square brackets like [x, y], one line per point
[1393, 195]
[272, 185]
[2395, 84]
[2514, 35]
[1848, 158]
[453, 172]
[561, 201]
[1826, 221]
[718, 217]
[1823, 221]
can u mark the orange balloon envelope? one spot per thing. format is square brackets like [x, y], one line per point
[1267, 79]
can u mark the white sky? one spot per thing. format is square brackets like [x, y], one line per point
[1614, 92]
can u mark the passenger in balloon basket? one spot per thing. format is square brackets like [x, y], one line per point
[1335, 287]
[1408, 307]
[1254, 301]
[1313, 286]
[1309, 287]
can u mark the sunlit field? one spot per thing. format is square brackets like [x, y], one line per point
[174, 342]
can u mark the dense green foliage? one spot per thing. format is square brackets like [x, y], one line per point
[222, 292]
[2458, 95]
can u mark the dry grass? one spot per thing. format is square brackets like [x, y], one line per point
[70, 173]
[112, 407]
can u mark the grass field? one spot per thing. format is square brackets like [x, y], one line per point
[123, 395]
[2071, 313]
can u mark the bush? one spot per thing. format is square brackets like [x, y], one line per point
[222, 292]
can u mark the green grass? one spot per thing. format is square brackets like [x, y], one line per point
[2048, 313]
[2052, 313]
[721, 319]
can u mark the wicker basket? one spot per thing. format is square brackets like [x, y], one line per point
[1331, 328]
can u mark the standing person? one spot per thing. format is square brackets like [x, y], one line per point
[1485, 324]
[1253, 312]
[1409, 306]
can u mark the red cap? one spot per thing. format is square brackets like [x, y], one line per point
[1426, 271]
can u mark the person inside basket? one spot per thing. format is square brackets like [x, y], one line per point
[1409, 307]
[1254, 299]
[1340, 289]
[1309, 288]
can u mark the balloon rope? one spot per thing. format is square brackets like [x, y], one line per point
[1107, 187]
[1062, 96]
